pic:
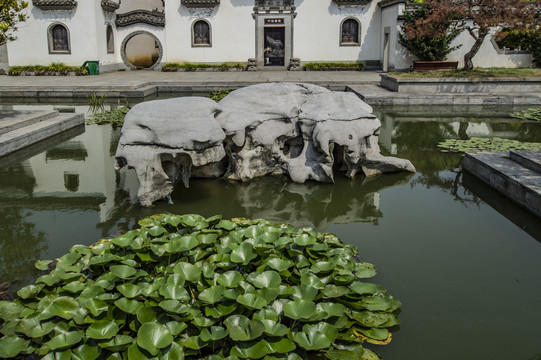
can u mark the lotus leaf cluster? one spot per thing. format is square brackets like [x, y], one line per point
[495, 144]
[530, 114]
[189, 287]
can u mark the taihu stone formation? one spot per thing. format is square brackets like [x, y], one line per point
[302, 130]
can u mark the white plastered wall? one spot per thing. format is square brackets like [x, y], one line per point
[86, 27]
[4, 65]
[232, 32]
[488, 55]
[317, 31]
[399, 57]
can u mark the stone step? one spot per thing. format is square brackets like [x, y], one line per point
[529, 159]
[13, 120]
[510, 178]
[24, 136]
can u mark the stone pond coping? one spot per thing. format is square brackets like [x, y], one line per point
[456, 85]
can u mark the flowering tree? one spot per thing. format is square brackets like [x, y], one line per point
[10, 15]
[478, 17]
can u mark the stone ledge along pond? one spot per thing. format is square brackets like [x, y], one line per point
[468, 273]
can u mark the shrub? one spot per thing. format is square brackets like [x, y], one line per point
[525, 40]
[44, 70]
[194, 67]
[189, 287]
[428, 39]
[334, 66]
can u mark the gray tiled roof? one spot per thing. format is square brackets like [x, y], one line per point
[140, 16]
[200, 3]
[55, 4]
[108, 5]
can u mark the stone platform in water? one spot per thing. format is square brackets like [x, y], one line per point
[19, 129]
[516, 174]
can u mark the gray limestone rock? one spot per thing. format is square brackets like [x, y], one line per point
[300, 130]
[163, 139]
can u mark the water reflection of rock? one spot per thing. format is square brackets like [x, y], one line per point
[274, 198]
[317, 205]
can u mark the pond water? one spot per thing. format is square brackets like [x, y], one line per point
[468, 273]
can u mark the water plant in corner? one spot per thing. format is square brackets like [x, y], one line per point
[100, 116]
[189, 287]
[494, 144]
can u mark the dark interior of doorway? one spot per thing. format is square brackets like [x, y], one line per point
[274, 46]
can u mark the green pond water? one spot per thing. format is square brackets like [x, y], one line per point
[464, 261]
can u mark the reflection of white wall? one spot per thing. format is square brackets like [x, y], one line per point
[475, 129]
[96, 173]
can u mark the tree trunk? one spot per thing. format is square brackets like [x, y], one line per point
[468, 57]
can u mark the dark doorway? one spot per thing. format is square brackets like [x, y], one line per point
[274, 46]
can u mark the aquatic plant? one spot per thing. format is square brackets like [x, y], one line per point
[220, 94]
[113, 117]
[530, 114]
[495, 144]
[96, 102]
[189, 287]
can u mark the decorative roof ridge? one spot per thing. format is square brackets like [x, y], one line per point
[109, 5]
[55, 4]
[200, 3]
[141, 16]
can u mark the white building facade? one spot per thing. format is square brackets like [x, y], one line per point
[131, 34]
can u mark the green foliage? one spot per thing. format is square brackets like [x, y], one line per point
[476, 73]
[220, 94]
[44, 70]
[334, 66]
[189, 287]
[486, 144]
[530, 114]
[169, 67]
[10, 14]
[96, 102]
[113, 117]
[525, 40]
[428, 45]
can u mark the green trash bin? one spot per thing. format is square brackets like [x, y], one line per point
[93, 67]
